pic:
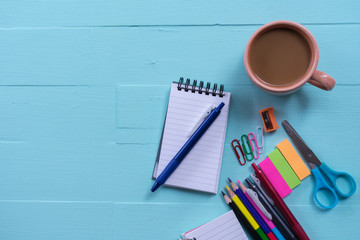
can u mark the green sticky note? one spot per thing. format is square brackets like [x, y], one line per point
[284, 168]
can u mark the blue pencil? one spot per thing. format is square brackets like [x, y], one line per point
[250, 207]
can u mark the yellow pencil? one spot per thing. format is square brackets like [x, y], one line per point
[243, 209]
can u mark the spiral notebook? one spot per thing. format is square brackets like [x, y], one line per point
[200, 169]
[225, 227]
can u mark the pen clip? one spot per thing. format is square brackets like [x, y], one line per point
[203, 116]
[255, 149]
[260, 134]
[247, 149]
[236, 152]
[257, 182]
[254, 196]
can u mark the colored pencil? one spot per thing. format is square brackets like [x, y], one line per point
[279, 202]
[277, 219]
[252, 210]
[268, 222]
[247, 214]
[240, 217]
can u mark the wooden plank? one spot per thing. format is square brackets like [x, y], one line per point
[308, 111]
[139, 162]
[21, 220]
[173, 219]
[162, 221]
[57, 114]
[83, 93]
[140, 106]
[44, 220]
[38, 13]
[64, 147]
[153, 55]
[66, 171]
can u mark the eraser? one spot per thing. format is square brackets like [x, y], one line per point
[275, 177]
[284, 168]
[294, 160]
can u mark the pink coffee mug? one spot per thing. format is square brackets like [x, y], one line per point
[312, 76]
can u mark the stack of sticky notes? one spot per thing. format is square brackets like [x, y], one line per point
[284, 168]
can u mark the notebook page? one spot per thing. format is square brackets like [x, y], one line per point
[225, 227]
[200, 169]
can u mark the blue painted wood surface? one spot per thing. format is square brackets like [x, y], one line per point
[83, 93]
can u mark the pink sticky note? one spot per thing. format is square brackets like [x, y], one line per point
[275, 177]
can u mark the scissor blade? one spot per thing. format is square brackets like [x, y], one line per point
[307, 153]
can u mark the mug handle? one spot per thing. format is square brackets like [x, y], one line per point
[322, 80]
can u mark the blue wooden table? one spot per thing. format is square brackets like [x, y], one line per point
[83, 93]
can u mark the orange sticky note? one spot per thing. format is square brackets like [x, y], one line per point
[293, 159]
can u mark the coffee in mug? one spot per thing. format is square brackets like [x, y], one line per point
[282, 56]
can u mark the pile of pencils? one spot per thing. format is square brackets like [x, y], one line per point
[261, 211]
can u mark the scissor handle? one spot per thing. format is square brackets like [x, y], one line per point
[322, 185]
[334, 175]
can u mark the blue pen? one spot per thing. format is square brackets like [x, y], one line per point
[250, 207]
[175, 162]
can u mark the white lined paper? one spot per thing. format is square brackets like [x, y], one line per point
[200, 169]
[225, 227]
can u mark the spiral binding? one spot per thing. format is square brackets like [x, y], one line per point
[200, 89]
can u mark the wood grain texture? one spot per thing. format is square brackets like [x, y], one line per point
[39, 13]
[56, 220]
[84, 87]
[155, 55]
[189, 217]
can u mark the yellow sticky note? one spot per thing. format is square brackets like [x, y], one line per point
[293, 159]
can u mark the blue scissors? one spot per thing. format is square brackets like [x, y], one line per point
[328, 183]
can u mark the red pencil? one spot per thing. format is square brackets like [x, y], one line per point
[294, 224]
